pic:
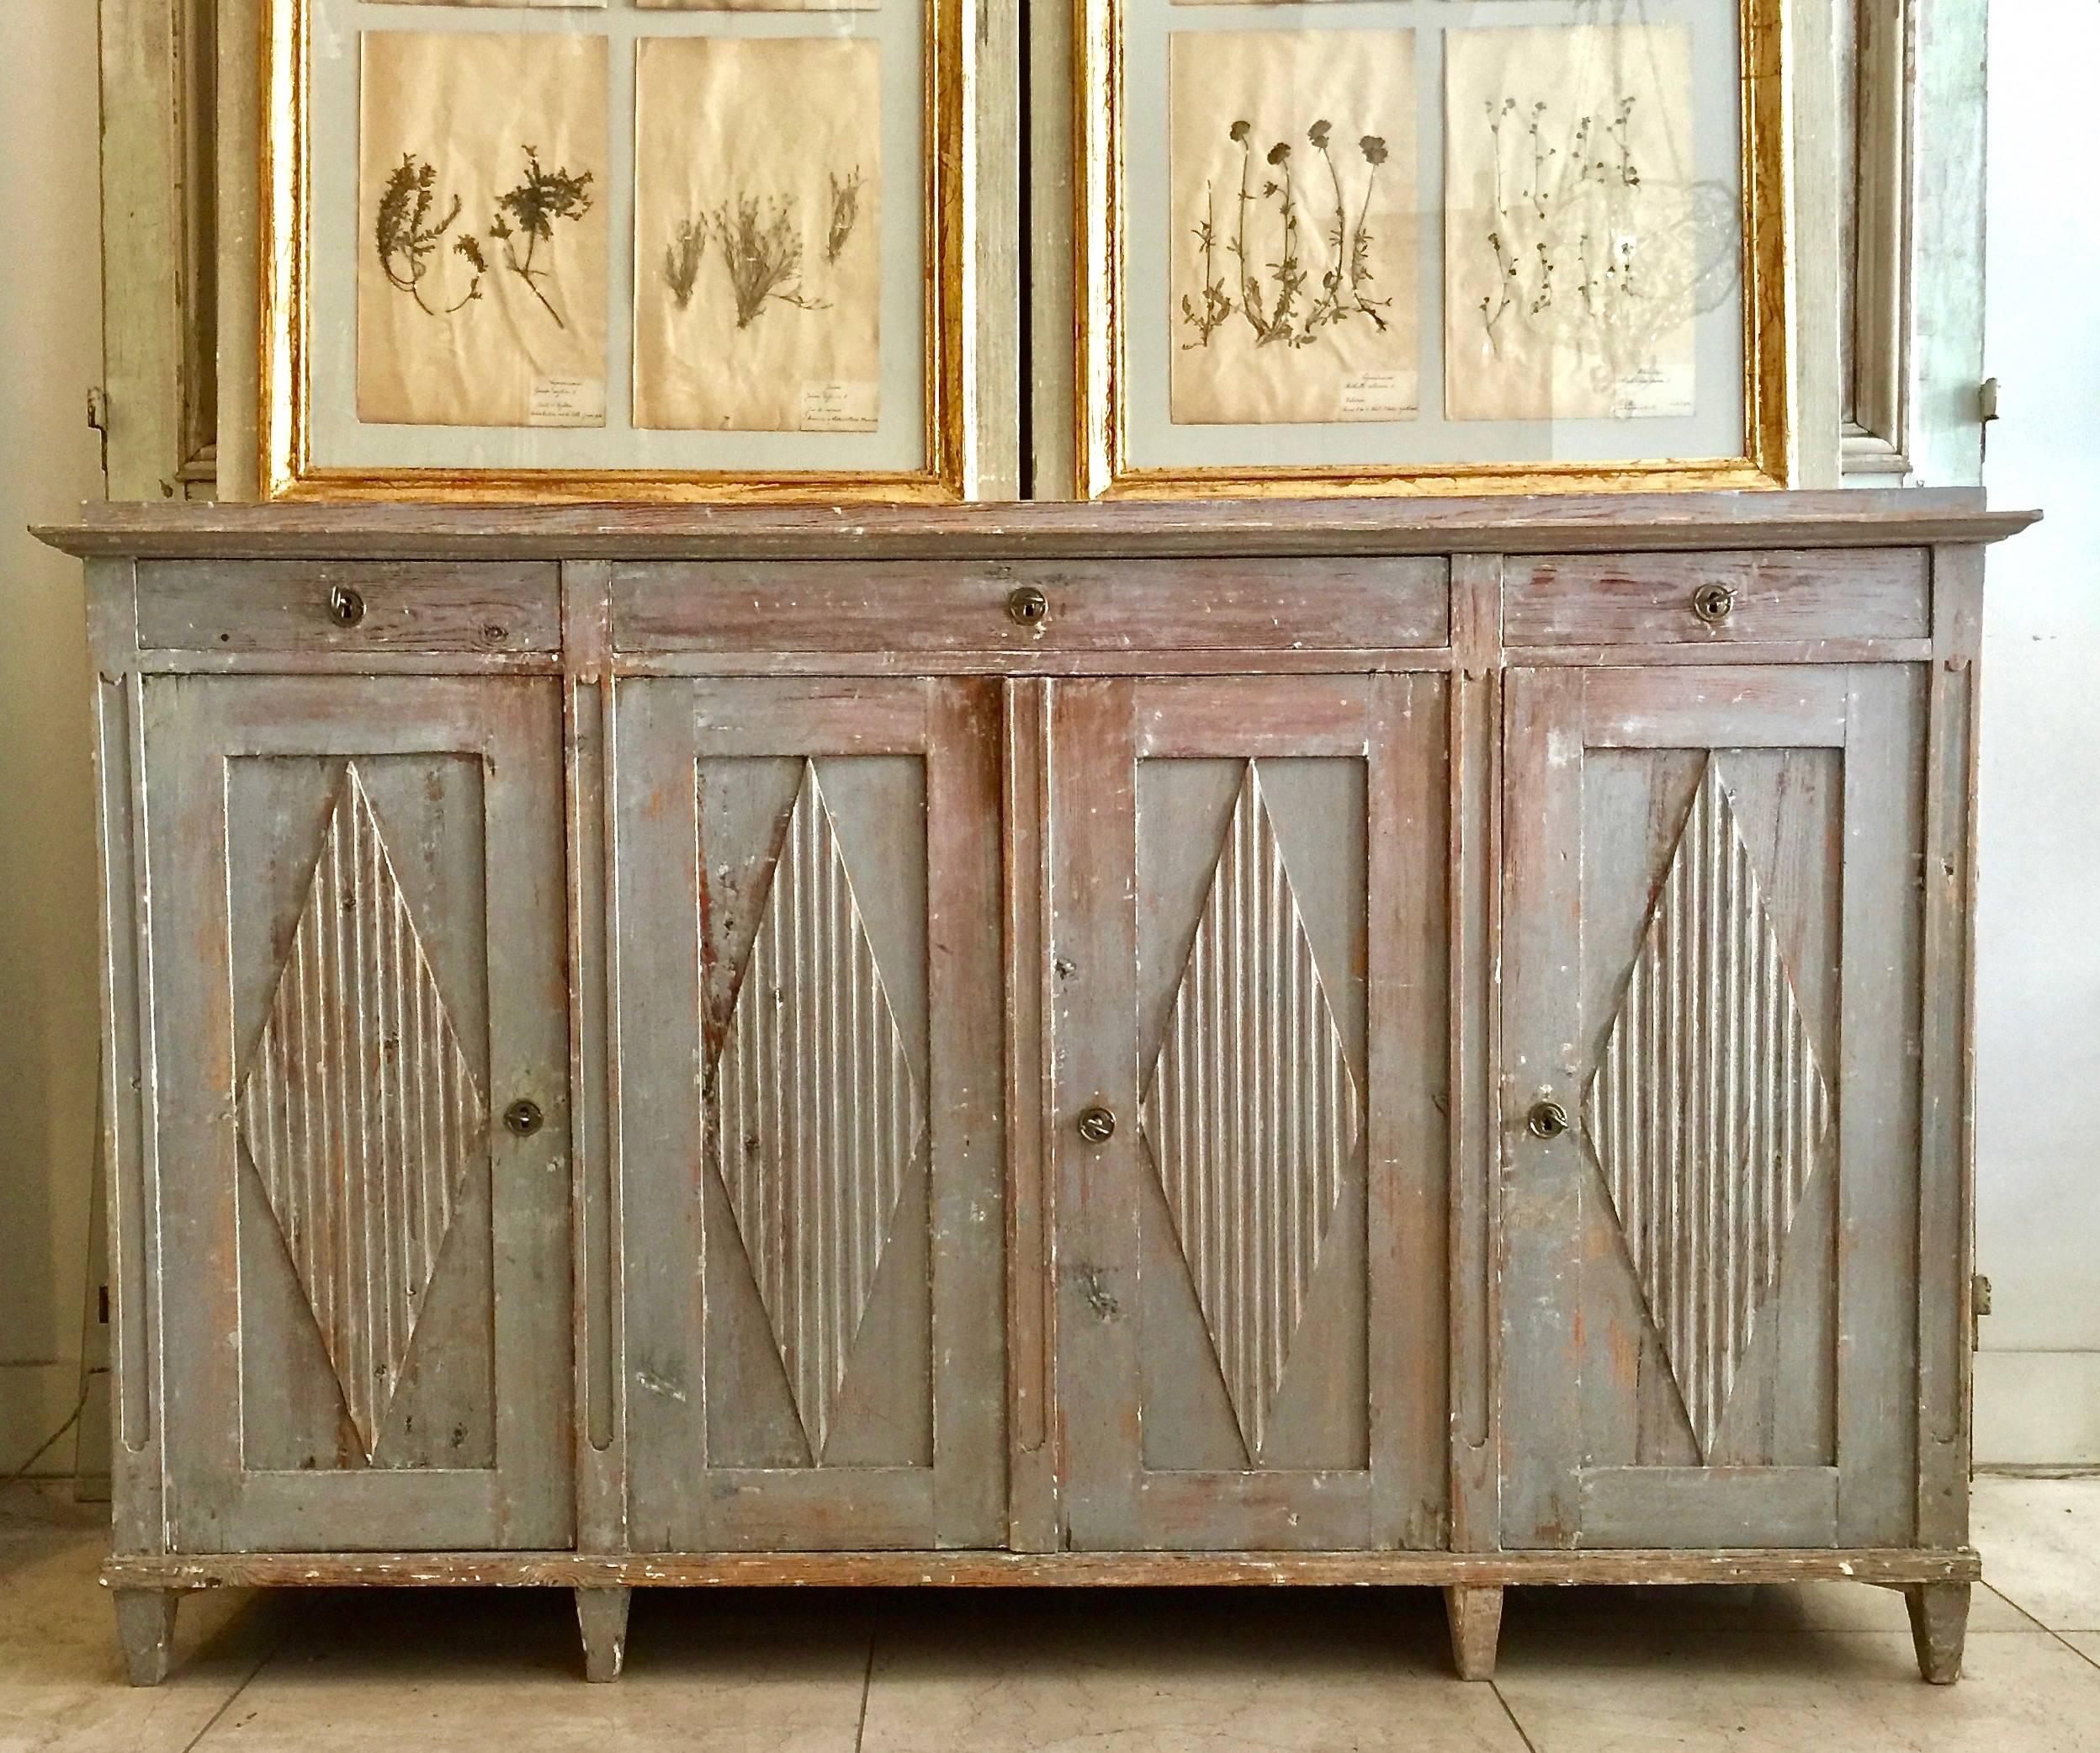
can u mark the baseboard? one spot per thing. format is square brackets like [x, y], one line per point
[2038, 1408]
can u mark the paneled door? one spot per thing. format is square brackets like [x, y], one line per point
[809, 1024]
[359, 1049]
[1710, 1127]
[1247, 1013]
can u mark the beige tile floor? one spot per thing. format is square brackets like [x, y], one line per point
[1583, 1671]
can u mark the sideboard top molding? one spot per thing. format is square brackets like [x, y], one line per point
[1614, 523]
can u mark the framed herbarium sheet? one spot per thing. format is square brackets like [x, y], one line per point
[675, 249]
[1404, 246]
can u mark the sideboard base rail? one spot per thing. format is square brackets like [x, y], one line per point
[146, 1587]
[1890, 1567]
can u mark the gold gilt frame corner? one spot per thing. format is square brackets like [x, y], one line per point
[1101, 461]
[283, 425]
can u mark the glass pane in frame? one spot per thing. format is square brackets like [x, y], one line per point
[1351, 246]
[505, 329]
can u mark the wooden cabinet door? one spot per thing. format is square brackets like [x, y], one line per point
[809, 1009]
[1249, 982]
[1712, 916]
[355, 895]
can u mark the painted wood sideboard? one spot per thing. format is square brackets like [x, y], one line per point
[1402, 1042]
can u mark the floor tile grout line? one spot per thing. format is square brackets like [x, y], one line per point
[1509, 1711]
[867, 1683]
[247, 1680]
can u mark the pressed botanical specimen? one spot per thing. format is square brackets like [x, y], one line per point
[407, 238]
[1290, 276]
[846, 211]
[1346, 274]
[1573, 213]
[1218, 302]
[529, 211]
[681, 259]
[762, 256]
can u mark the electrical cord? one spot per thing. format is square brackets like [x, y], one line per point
[43, 1448]
[88, 1381]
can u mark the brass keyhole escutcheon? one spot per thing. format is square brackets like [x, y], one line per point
[345, 607]
[1097, 1126]
[1029, 606]
[524, 1119]
[1547, 1119]
[1713, 603]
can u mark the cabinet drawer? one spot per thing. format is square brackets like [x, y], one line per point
[1661, 598]
[343, 606]
[1234, 605]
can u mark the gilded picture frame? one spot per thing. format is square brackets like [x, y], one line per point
[290, 470]
[1105, 466]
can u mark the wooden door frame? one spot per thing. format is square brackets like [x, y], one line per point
[1911, 92]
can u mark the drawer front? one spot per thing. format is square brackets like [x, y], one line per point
[1243, 605]
[1664, 598]
[349, 606]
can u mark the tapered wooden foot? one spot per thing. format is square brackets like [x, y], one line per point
[1940, 1626]
[146, 1628]
[1476, 1617]
[602, 1615]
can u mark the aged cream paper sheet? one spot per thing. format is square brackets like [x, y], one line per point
[1578, 249]
[754, 5]
[758, 258]
[481, 249]
[567, 4]
[1291, 283]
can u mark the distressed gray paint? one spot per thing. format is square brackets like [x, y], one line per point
[1477, 1393]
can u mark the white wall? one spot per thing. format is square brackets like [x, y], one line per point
[51, 342]
[2037, 1382]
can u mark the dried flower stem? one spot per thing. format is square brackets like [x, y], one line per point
[530, 209]
[845, 212]
[763, 260]
[682, 257]
[1249, 288]
[1217, 304]
[406, 239]
[1288, 275]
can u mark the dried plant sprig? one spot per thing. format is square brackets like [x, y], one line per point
[1346, 272]
[1288, 274]
[1575, 220]
[1328, 306]
[1250, 305]
[1217, 304]
[846, 211]
[683, 257]
[406, 237]
[530, 211]
[1373, 147]
[762, 256]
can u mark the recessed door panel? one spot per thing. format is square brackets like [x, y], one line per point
[1710, 1114]
[1248, 1034]
[352, 991]
[808, 1002]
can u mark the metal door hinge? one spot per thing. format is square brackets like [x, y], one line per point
[1987, 400]
[1979, 1306]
